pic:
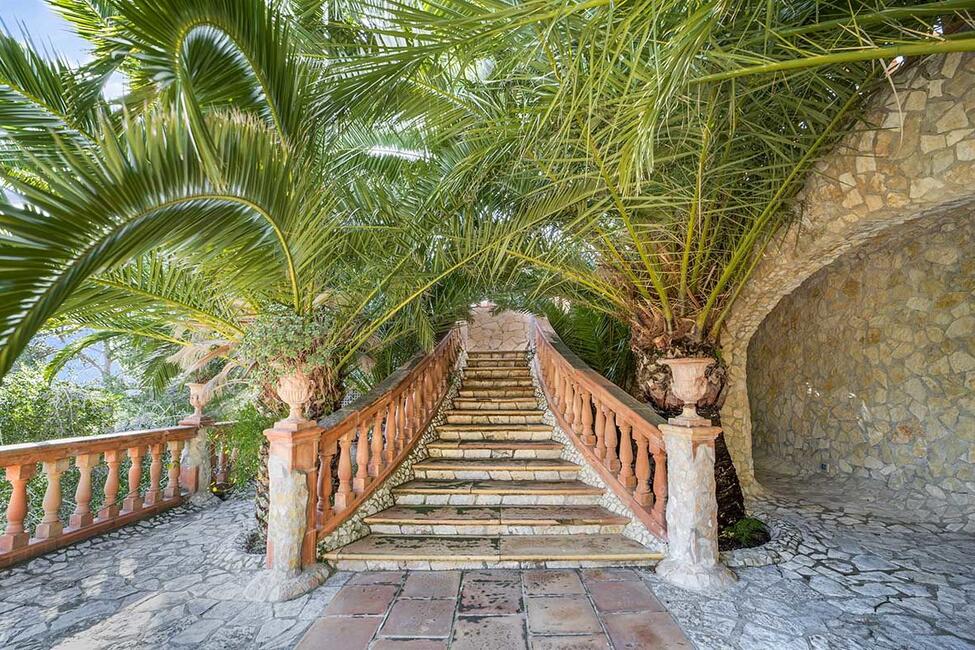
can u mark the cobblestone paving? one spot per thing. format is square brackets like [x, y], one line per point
[859, 580]
[867, 575]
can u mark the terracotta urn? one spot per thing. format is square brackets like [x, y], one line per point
[295, 391]
[689, 385]
[199, 396]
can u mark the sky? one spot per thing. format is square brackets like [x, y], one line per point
[48, 30]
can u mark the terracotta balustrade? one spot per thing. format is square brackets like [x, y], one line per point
[375, 433]
[20, 463]
[617, 435]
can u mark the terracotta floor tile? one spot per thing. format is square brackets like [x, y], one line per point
[646, 631]
[552, 582]
[354, 632]
[588, 642]
[409, 644]
[489, 633]
[623, 597]
[608, 574]
[365, 599]
[432, 584]
[378, 578]
[419, 618]
[561, 615]
[490, 597]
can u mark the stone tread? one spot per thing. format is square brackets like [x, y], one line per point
[496, 404]
[460, 548]
[517, 445]
[498, 464]
[530, 487]
[495, 427]
[496, 412]
[497, 515]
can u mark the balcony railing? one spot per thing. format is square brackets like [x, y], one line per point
[616, 434]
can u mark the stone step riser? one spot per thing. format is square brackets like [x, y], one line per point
[496, 436]
[496, 475]
[523, 392]
[496, 404]
[496, 363]
[528, 417]
[497, 373]
[414, 499]
[451, 565]
[472, 454]
[480, 356]
[498, 529]
[495, 384]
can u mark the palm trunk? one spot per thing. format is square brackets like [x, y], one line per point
[653, 384]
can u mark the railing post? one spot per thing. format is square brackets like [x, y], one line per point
[15, 536]
[195, 469]
[291, 532]
[50, 526]
[692, 510]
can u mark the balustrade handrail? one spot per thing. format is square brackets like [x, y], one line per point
[385, 425]
[605, 423]
[58, 448]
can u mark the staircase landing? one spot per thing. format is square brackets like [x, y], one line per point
[494, 491]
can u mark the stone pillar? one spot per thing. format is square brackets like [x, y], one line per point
[291, 533]
[692, 560]
[195, 470]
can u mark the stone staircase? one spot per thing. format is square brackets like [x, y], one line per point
[495, 491]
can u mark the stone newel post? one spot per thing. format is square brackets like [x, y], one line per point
[195, 470]
[692, 510]
[291, 533]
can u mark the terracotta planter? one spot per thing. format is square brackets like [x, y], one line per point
[295, 391]
[200, 395]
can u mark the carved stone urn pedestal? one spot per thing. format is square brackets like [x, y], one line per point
[292, 569]
[692, 560]
[195, 470]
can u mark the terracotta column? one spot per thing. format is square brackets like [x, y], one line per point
[692, 560]
[195, 470]
[291, 532]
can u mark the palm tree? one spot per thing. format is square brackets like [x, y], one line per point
[665, 138]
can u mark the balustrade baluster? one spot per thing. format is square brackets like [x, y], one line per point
[15, 536]
[173, 490]
[50, 526]
[361, 460]
[391, 418]
[376, 457]
[343, 497]
[154, 493]
[587, 435]
[323, 506]
[659, 483]
[642, 494]
[555, 388]
[570, 400]
[610, 460]
[626, 456]
[109, 509]
[600, 448]
[577, 410]
[81, 516]
[133, 500]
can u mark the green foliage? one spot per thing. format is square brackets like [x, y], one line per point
[744, 533]
[31, 410]
[600, 340]
[246, 437]
[281, 341]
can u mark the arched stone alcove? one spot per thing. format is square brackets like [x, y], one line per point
[868, 368]
[912, 159]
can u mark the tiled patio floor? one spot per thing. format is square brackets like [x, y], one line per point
[496, 610]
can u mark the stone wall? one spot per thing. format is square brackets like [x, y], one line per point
[913, 158]
[869, 368]
[490, 331]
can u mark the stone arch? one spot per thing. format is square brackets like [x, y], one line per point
[913, 158]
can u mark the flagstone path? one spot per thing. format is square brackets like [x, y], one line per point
[863, 577]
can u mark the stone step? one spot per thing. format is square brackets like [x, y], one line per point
[494, 431]
[376, 552]
[495, 383]
[495, 449]
[497, 373]
[522, 392]
[478, 355]
[497, 363]
[497, 469]
[495, 520]
[496, 404]
[493, 492]
[508, 416]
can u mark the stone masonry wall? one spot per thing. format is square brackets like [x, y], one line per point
[488, 331]
[869, 367]
[912, 159]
